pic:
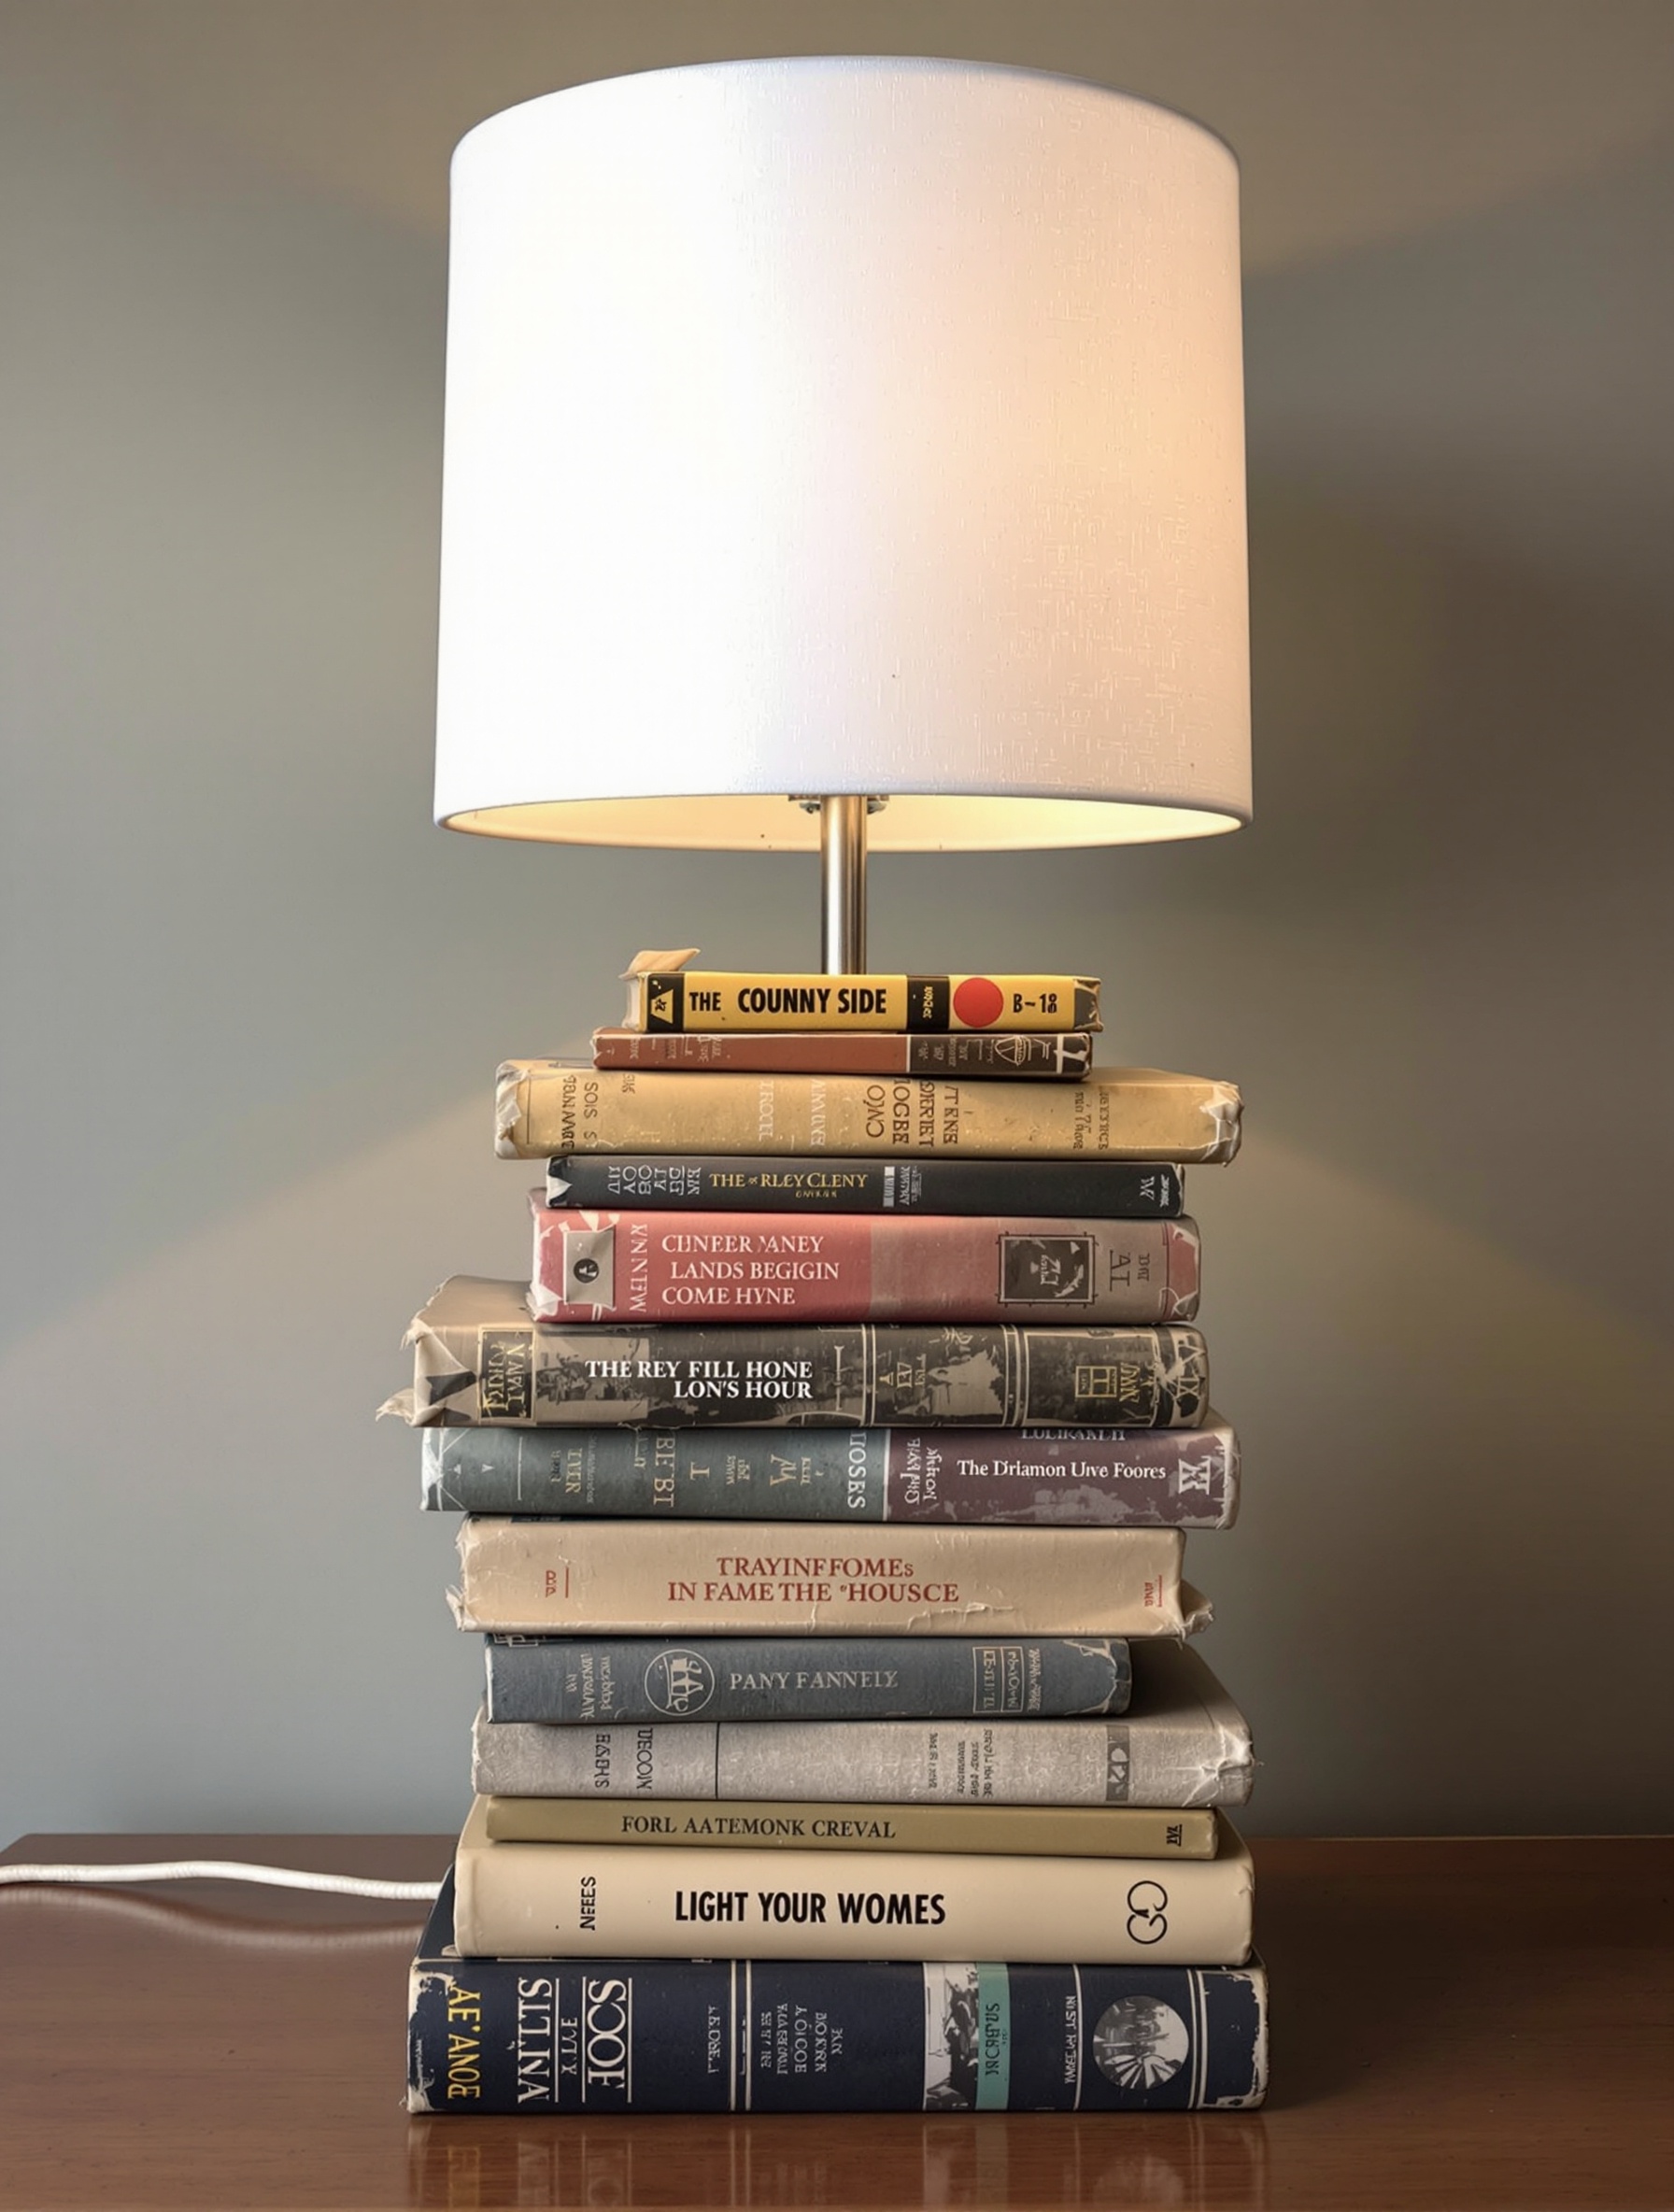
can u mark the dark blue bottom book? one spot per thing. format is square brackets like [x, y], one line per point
[794, 2036]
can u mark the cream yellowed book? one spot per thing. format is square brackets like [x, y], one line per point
[545, 1106]
[544, 1577]
[620, 1900]
[1050, 1831]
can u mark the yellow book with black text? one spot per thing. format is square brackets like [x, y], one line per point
[717, 1000]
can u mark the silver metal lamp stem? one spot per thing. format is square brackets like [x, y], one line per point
[842, 883]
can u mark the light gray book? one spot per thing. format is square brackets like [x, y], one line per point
[1181, 1742]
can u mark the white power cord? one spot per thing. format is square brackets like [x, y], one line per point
[282, 1878]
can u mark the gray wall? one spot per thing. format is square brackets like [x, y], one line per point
[253, 999]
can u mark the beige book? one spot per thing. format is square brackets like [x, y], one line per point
[1021, 1831]
[1115, 1114]
[616, 1900]
[631, 1577]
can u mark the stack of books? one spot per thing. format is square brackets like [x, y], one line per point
[825, 1493]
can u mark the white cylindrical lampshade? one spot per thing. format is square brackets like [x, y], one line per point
[849, 425]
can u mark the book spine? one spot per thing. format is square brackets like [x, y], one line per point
[1179, 1759]
[651, 1266]
[1026, 1831]
[554, 1577]
[631, 2035]
[552, 1106]
[1180, 1478]
[845, 1375]
[802, 1678]
[735, 1183]
[620, 1901]
[993, 1055]
[718, 1000]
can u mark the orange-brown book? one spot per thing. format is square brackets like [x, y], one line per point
[995, 1056]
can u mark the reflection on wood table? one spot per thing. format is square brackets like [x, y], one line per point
[1472, 2022]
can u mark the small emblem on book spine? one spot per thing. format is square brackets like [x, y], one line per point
[505, 1369]
[1035, 1269]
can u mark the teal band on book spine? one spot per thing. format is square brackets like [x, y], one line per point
[994, 2038]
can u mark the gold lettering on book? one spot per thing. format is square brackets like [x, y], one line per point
[464, 2043]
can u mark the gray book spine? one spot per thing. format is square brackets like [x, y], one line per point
[1178, 1761]
[479, 1359]
[612, 1680]
[1167, 1478]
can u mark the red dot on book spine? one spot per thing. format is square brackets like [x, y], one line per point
[977, 1001]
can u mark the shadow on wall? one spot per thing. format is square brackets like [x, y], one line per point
[1457, 890]
[1438, 1289]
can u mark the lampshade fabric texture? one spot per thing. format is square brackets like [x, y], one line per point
[843, 425]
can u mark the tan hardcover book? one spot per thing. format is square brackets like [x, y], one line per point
[602, 1900]
[631, 1577]
[1024, 1831]
[1116, 1113]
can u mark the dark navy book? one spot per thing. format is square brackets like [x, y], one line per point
[1104, 1190]
[792, 2036]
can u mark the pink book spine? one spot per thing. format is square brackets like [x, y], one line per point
[646, 1265]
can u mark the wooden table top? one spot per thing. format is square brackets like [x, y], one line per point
[1478, 2023]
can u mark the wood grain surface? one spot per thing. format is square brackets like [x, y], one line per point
[1457, 2023]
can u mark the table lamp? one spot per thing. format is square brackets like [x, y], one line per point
[844, 451]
